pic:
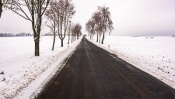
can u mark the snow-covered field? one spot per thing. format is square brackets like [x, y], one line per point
[21, 73]
[154, 55]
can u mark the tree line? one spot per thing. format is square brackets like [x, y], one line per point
[58, 12]
[99, 24]
[59, 17]
[14, 35]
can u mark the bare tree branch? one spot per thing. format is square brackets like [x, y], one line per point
[36, 9]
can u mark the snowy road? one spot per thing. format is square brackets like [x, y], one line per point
[93, 73]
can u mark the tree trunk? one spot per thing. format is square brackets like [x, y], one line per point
[97, 37]
[62, 42]
[71, 39]
[36, 40]
[68, 38]
[1, 4]
[103, 38]
[53, 42]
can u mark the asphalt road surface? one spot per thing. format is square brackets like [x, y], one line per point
[93, 73]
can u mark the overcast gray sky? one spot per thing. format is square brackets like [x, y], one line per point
[130, 17]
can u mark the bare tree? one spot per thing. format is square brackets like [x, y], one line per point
[73, 34]
[106, 21]
[51, 16]
[31, 10]
[69, 32]
[90, 27]
[98, 24]
[102, 23]
[76, 30]
[65, 13]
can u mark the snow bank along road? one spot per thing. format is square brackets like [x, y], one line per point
[93, 73]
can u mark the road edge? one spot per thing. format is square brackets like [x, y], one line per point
[55, 67]
[165, 81]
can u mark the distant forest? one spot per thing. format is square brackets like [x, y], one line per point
[20, 34]
[14, 34]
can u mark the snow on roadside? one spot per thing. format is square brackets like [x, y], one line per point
[57, 64]
[19, 68]
[154, 55]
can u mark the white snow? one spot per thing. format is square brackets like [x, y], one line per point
[21, 73]
[154, 55]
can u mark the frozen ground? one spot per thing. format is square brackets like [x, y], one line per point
[21, 73]
[154, 55]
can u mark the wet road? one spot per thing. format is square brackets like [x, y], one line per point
[93, 73]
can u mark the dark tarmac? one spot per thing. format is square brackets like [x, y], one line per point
[93, 73]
